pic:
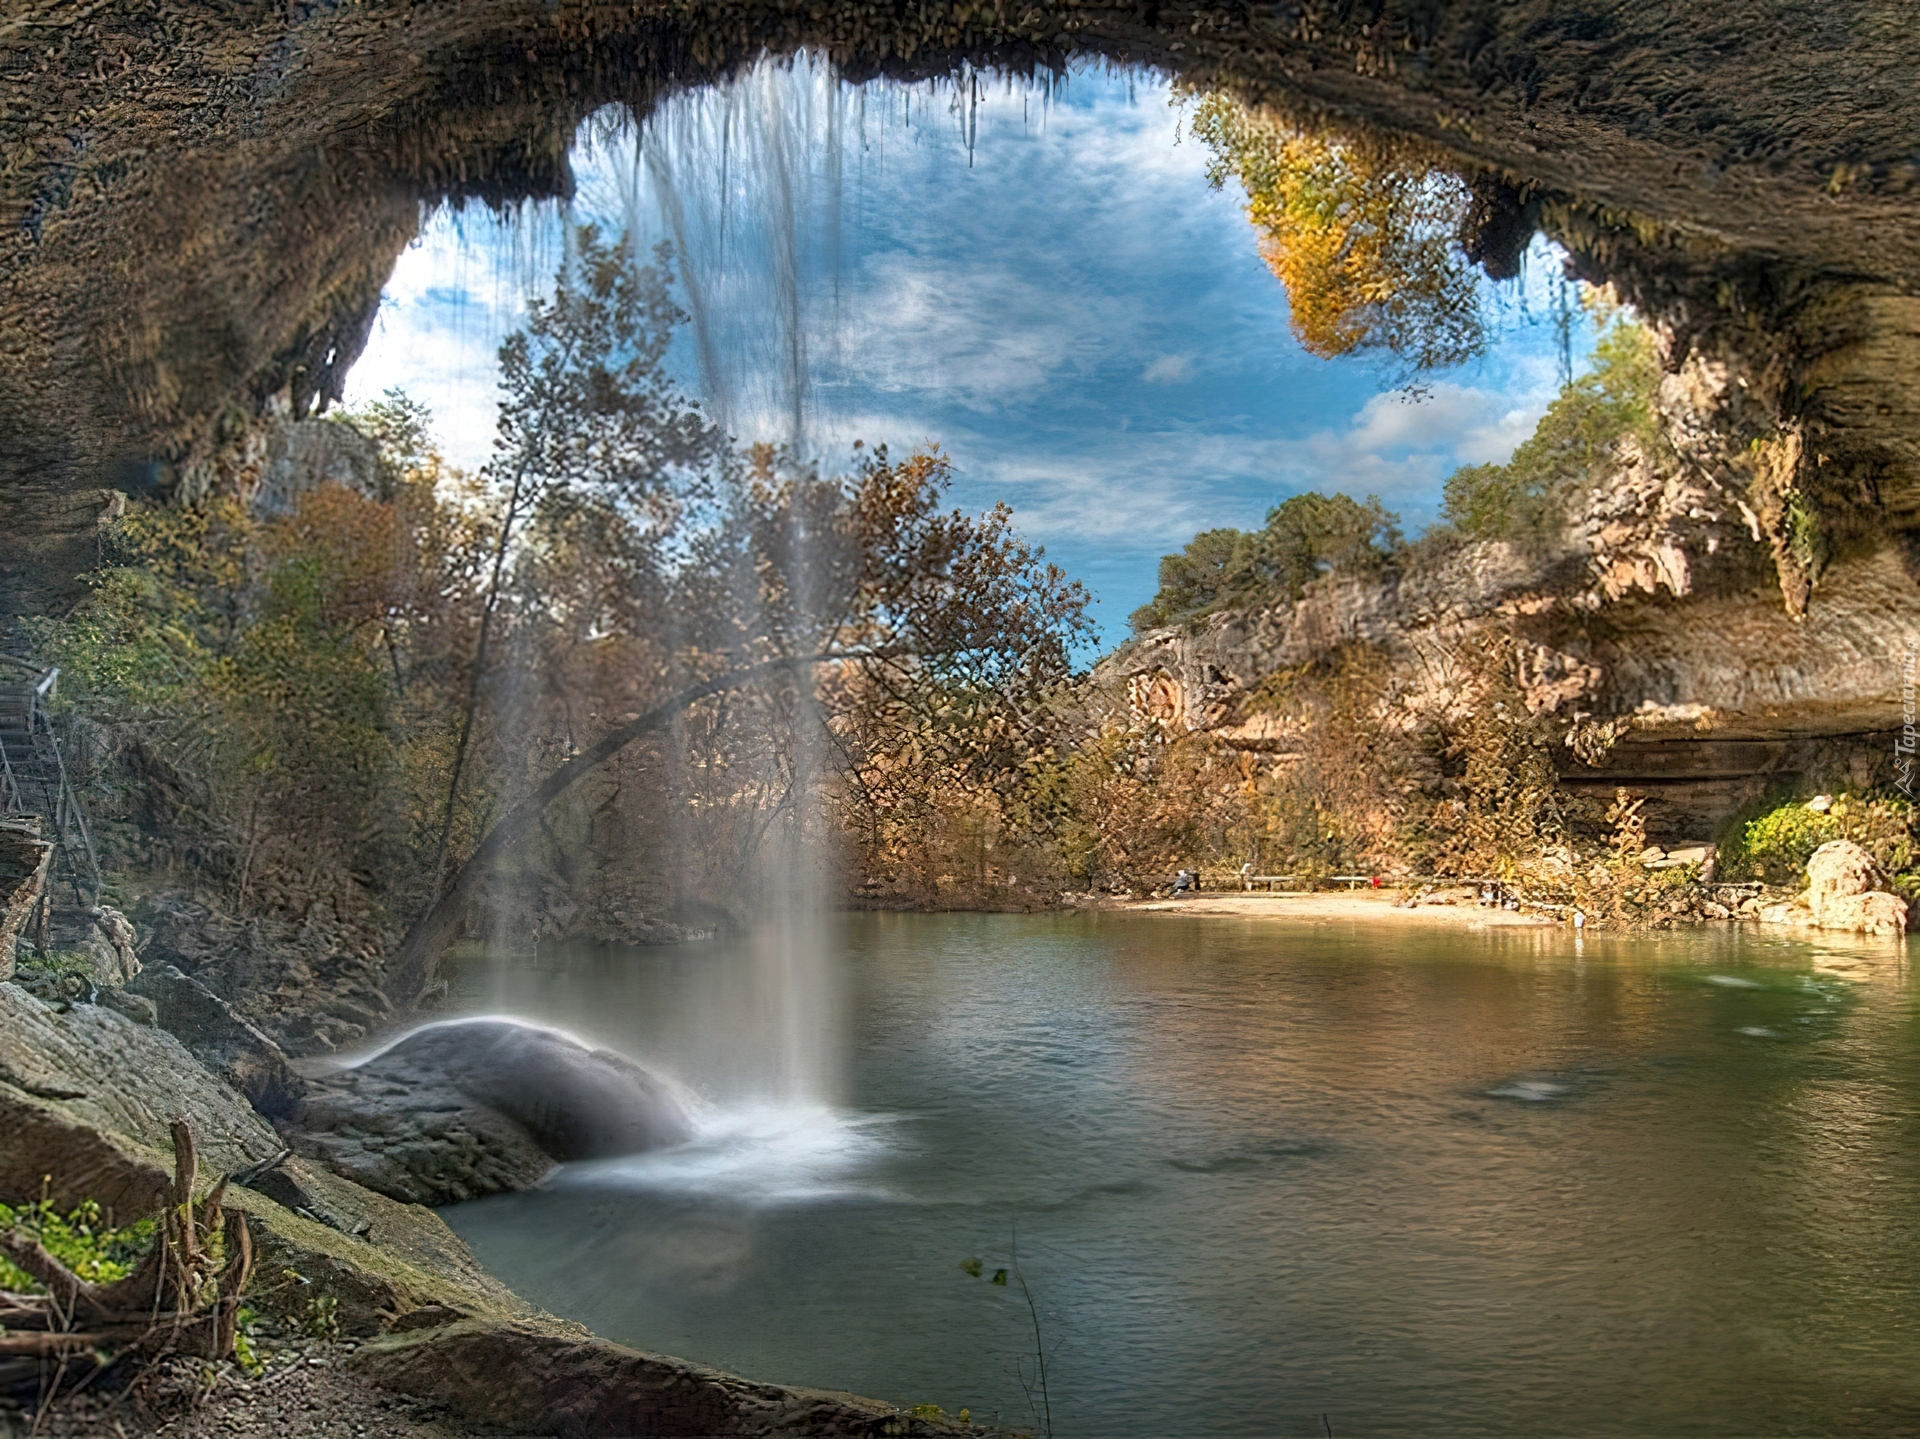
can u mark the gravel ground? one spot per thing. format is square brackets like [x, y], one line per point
[309, 1398]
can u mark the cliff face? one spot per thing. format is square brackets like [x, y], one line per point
[24, 858]
[200, 202]
[1652, 638]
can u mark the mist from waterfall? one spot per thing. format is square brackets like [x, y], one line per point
[747, 182]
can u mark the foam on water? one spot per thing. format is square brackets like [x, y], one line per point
[755, 1155]
[1532, 1091]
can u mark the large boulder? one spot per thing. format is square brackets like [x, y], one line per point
[237, 1051]
[86, 1095]
[1843, 892]
[475, 1107]
[110, 944]
[24, 857]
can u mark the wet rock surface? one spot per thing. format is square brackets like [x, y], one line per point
[573, 1385]
[86, 1094]
[478, 1107]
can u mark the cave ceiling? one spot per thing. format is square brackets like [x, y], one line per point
[200, 200]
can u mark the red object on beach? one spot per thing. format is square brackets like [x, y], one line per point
[1374, 881]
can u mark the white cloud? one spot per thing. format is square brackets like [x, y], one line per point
[1401, 447]
[1041, 311]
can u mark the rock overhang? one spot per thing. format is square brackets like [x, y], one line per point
[201, 203]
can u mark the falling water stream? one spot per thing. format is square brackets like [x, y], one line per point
[747, 182]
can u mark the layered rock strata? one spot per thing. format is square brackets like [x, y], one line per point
[1652, 636]
[200, 204]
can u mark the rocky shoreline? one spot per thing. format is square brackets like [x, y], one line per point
[90, 1082]
[86, 1094]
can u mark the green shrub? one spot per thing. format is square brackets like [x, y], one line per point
[1775, 843]
[1526, 498]
[84, 1239]
[1776, 846]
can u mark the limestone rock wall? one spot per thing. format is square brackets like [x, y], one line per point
[200, 203]
[1657, 617]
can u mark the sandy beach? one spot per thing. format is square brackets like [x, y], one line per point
[1358, 904]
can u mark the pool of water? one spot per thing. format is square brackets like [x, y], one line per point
[1269, 1179]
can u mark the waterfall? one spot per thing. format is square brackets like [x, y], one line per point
[746, 181]
[751, 183]
[754, 183]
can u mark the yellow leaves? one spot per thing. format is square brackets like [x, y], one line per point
[1363, 236]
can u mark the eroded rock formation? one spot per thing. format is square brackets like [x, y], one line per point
[478, 1107]
[24, 859]
[200, 203]
[1651, 636]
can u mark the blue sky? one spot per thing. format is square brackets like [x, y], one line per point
[1064, 305]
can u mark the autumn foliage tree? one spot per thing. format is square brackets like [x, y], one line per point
[1363, 232]
[853, 610]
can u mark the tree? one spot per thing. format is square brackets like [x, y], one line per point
[1305, 536]
[249, 670]
[1575, 441]
[594, 436]
[1364, 234]
[855, 601]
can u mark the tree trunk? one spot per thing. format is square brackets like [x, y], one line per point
[411, 970]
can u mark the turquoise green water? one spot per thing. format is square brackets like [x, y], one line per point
[1415, 1182]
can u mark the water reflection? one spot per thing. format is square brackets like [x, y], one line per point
[1481, 1183]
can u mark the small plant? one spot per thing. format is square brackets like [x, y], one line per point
[84, 1240]
[323, 1317]
[245, 1352]
[56, 974]
[938, 1415]
[179, 1291]
[1043, 1410]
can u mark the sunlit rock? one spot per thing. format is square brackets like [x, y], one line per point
[1843, 892]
